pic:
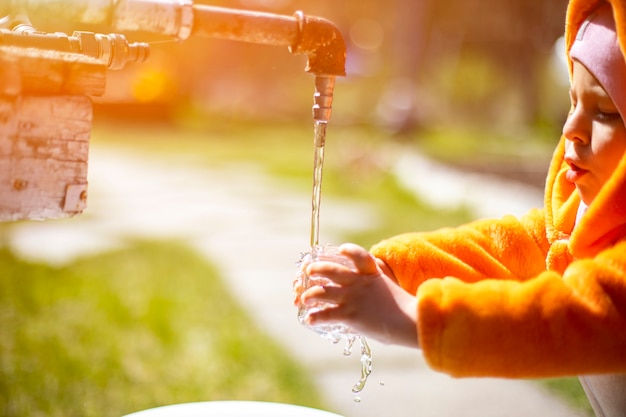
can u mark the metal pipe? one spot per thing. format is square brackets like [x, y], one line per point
[313, 36]
[112, 50]
[316, 37]
[244, 26]
[164, 17]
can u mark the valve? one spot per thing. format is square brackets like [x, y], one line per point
[112, 50]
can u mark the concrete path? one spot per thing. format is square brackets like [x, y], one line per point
[254, 227]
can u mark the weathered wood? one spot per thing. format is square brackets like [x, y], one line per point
[45, 127]
[39, 71]
[44, 145]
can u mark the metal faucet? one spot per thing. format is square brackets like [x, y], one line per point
[315, 37]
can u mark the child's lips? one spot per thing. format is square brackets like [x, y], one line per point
[575, 173]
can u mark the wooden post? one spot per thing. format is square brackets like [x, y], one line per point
[45, 127]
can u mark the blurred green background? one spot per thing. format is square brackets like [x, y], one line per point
[477, 84]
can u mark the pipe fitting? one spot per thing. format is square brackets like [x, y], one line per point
[323, 97]
[322, 41]
[112, 50]
[316, 37]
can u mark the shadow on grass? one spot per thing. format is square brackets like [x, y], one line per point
[130, 330]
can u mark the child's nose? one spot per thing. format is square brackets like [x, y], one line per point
[577, 127]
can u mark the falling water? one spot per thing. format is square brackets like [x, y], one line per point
[319, 141]
[366, 361]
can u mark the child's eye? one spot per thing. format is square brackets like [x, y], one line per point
[609, 115]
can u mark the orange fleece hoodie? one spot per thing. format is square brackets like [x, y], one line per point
[527, 297]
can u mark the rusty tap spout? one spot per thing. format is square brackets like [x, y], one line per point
[322, 41]
[318, 38]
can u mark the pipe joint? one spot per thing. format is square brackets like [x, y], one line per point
[322, 41]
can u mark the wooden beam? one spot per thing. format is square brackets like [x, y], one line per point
[44, 147]
[40, 71]
[45, 126]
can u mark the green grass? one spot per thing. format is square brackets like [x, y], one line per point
[571, 391]
[129, 330]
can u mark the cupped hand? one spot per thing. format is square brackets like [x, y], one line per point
[364, 297]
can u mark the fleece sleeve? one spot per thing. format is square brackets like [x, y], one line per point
[507, 248]
[521, 326]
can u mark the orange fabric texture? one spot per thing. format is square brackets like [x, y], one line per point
[527, 297]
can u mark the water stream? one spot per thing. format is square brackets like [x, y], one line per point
[319, 141]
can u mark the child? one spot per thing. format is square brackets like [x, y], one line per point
[539, 296]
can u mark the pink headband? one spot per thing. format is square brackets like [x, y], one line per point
[597, 48]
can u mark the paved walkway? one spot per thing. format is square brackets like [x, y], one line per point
[254, 227]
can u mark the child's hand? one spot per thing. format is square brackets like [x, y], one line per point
[298, 288]
[365, 298]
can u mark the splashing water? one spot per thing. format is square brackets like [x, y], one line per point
[366, 361]
[334, 331]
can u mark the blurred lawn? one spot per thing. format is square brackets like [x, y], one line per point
[357, 164]
[130, 330]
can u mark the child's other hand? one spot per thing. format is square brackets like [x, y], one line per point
[366, 298]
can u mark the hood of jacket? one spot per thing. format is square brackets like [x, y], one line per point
[604, 223]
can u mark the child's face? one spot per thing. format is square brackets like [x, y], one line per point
[595, 132]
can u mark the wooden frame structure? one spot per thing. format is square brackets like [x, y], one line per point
[45, 127]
